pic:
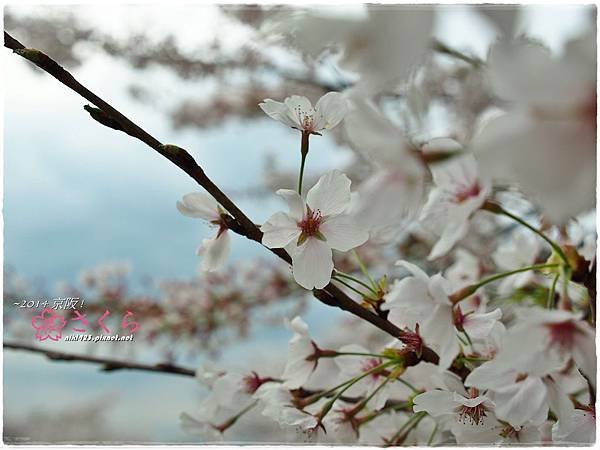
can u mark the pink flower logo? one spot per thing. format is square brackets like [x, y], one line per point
[48, 325]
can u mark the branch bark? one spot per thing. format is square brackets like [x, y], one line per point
[108, 365]
[240, 223]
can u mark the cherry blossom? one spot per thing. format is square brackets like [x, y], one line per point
[277, 403]
[459, 191]
[381, 44]
[554, 336]
[420, 299]
[299, 365]
[214, 251]
[354, 365]
[453, 401]
[520, 250]
[313, 227]
[551, 107]
[397, 177]
[297, 112]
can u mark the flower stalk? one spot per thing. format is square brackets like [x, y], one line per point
[304, 144]
[497, 209]
[471, 289]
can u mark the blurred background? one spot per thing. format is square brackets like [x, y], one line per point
[90, 212]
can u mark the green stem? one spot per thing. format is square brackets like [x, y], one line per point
[408, 385]
[500, 210]
[362, 294]
[328, 392]
[375, 414]
[327, 407]
[356, 280]
[232, 420]
[550, 301]
[363, 269]
[470, 290]
[365, 400]
[430, 440]
[411, 423]
[498, 276]
[304, 153]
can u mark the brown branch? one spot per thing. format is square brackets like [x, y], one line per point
[109, 116]
[108, 365]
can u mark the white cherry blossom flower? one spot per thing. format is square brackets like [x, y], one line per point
[208, 374]
[583, 430]
[548, 134]
[521, 386]
[381, 44]
[420, 299]
[351, 366]
[314, 227]
[276, 402]
[520, 250]
[397, 178]
[228, 391]
[556, 336]
[466, 270]
[494, 431]
[298, 367]
[215, 250]
[454, 402]
[297, 112]
[459, 191]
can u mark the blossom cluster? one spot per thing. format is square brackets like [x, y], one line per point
[493, 347]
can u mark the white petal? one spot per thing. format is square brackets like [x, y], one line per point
[342, 233]
[278, 111]
[294, 201]
[330, 110]
[197, 204]
[331, 194]
[414, 270]
[512, 64]
[491, 375]
[298, 108]
[584, 352]
[479, 326]
[516, 148]
[312, 264]
[279, 230]
[299, 326]
[297, 372]
[435, 403]
[215, 252]
[520, 402]
[456, 229]
[561, 406]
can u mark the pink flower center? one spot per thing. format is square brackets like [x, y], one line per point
[563, 334]
[311, 222]
[472, 414]
[370, 364]
[250, 383]
[464, 193]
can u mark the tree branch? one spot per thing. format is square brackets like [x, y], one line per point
[109, 365]
[241, 224]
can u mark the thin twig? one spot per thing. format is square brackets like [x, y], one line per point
[239, 223]
[108, 365]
